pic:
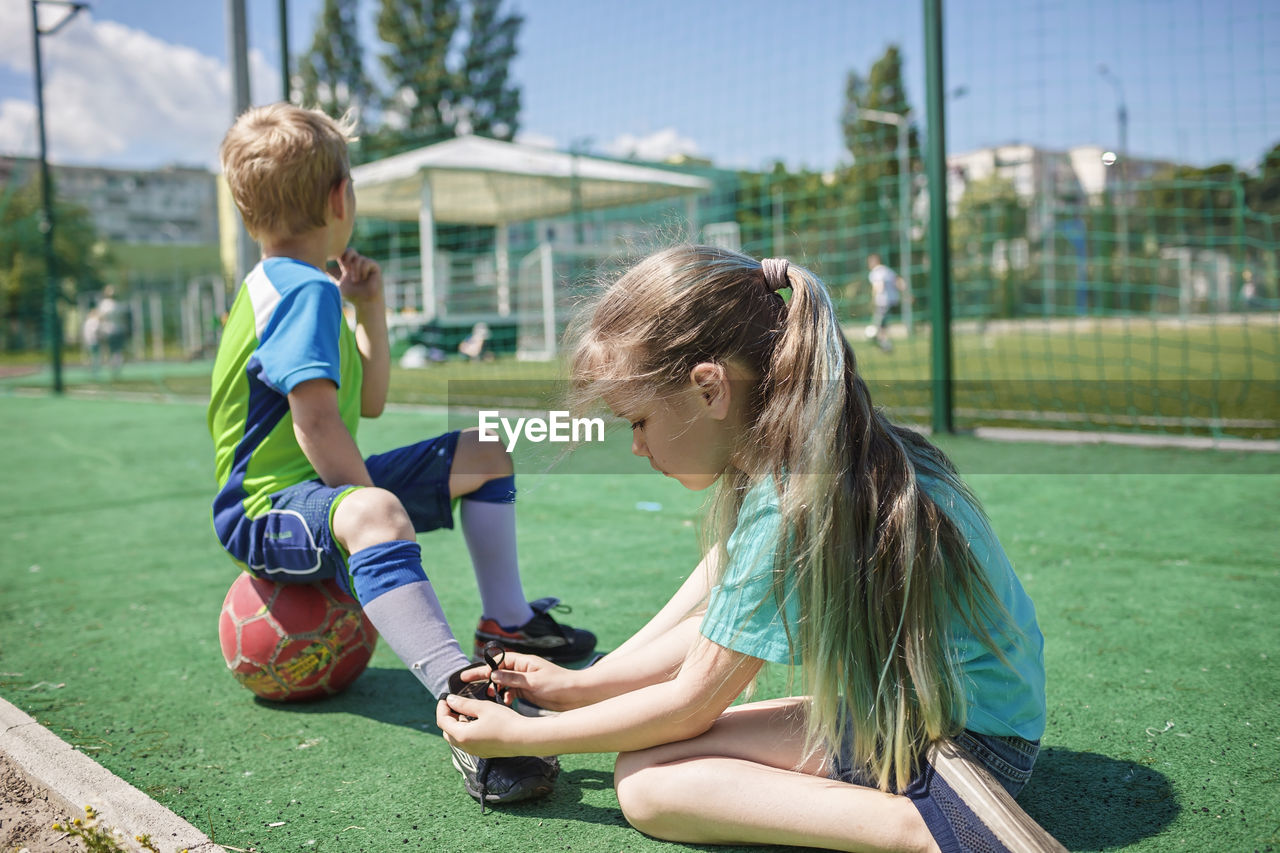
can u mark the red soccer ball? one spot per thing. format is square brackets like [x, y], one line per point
[292, 642]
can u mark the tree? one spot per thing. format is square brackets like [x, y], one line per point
[490, 101]
[448, 69]
[421, 106]
[1192, 202]
[331, 75]
[988, 242]
[871, 182]
[797, 215]
[1262, 191]
[873, 144]
[1262, 194]
[23, 277]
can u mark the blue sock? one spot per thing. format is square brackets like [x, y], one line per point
[501, 490]
[381, 568]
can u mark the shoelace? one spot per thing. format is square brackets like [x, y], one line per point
[493, 654]
[558, 607]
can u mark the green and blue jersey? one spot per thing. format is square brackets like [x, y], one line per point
[285, 327]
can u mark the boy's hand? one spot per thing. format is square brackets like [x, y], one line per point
[359, 278]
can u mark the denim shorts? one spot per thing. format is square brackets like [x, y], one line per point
[293, 542]
[957, 822]
[1009, 759]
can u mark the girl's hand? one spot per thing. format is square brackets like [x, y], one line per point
[530, 677]
[480, 728]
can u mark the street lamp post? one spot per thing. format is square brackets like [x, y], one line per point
[900, 121]
[286, 88]
[52, 322]
[1122, 119]
[238, 58]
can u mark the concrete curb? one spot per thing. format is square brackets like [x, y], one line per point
[1184, 442]
[52, 763]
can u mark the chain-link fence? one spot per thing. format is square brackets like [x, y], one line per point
[1112, 177]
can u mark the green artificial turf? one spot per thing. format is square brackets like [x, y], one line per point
[1156, 574]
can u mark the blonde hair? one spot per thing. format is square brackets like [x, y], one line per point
[281, 162]
[873, 559]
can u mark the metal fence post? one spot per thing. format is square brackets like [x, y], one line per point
[939, 241]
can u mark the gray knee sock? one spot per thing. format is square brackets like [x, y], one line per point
[412, 622]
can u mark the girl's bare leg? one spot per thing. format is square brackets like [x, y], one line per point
[748, 780]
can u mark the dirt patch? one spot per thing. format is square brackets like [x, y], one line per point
[28, 813]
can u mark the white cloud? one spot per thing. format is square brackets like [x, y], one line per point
[17, 127]
[658, 145]
[117, 95]
[15, 34]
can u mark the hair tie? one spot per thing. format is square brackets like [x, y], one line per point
[775, 274]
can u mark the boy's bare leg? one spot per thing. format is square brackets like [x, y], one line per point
[748, 780]
[476, 462]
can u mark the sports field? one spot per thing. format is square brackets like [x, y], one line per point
[1156, 574]
[1215, 376]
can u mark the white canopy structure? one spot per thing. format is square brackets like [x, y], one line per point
[478, 181]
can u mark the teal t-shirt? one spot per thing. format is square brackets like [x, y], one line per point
[1002, 699]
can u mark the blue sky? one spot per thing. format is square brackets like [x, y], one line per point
[144, 82]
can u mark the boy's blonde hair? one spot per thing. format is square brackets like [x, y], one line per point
[281, 162]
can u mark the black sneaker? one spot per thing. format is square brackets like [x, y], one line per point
[542, 635]
[499, 780]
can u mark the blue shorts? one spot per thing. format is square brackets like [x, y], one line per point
[293, 541]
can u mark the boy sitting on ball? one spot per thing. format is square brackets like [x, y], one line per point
[296, 501]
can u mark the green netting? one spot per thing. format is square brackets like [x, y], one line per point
[1113, 183]
[1128, 280]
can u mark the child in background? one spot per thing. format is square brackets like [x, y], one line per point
[842, 544]
[887, 292]
[113, 328]
[296, 500]
[475, 346]
[91, 339]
